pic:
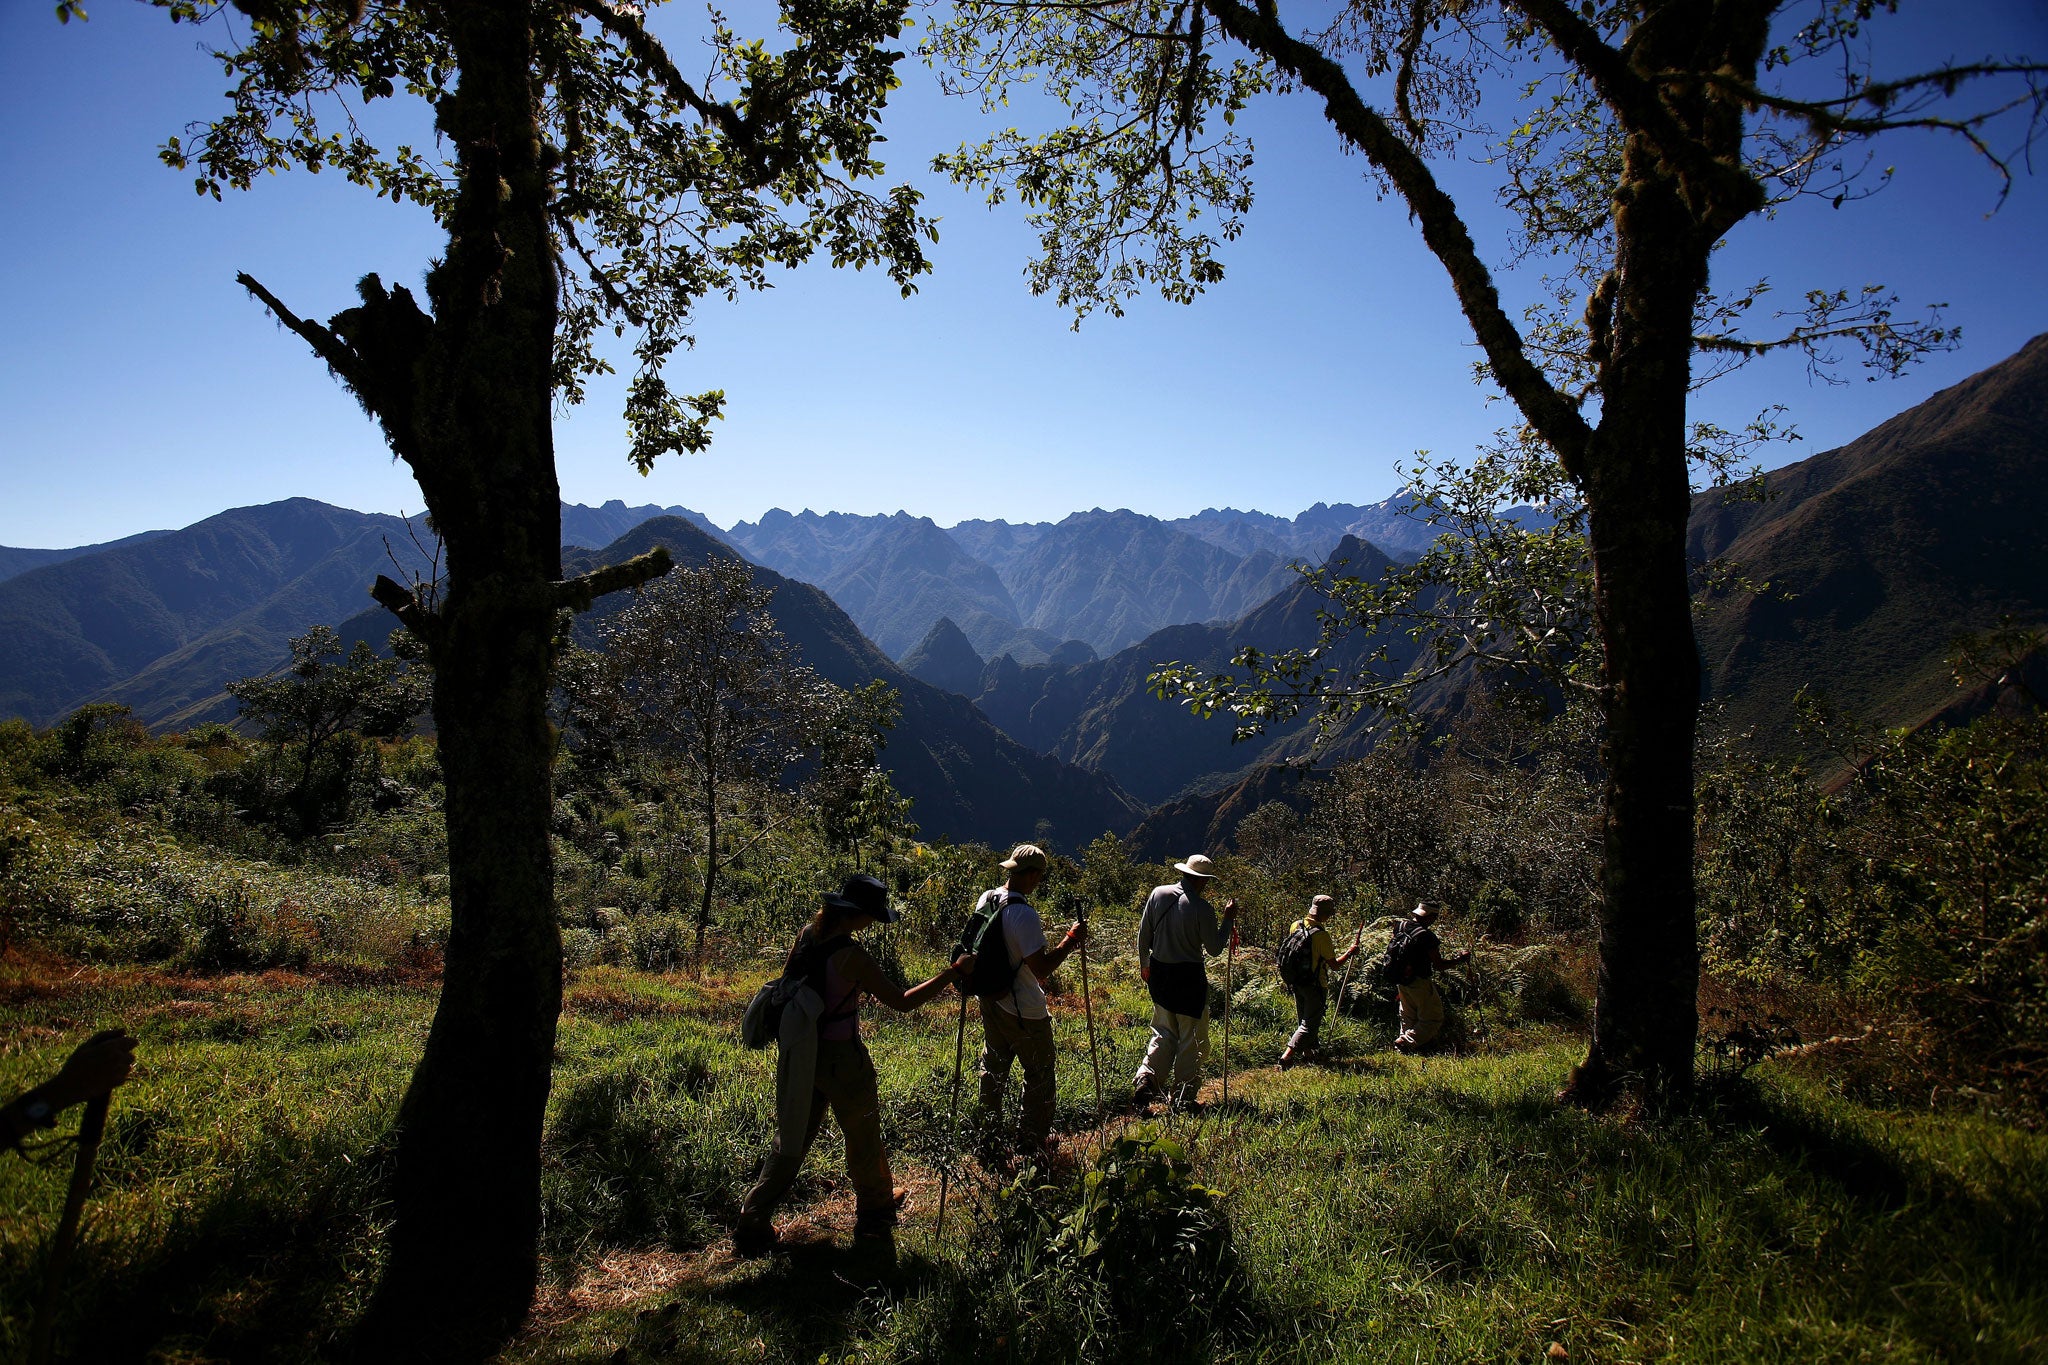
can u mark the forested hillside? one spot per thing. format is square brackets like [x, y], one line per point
[1873, 557]
[968, 780]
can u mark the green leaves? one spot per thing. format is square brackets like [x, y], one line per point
[663, 192]
[1507, 585]
[1119, 196]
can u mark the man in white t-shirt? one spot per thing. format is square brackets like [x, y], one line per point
[1016, 1023]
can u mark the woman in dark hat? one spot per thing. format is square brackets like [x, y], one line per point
[842, 971]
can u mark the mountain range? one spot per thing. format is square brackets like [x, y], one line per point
[1879, 553]
[1025, 647]
[968, 779]
[160, 622]
[1103, 579]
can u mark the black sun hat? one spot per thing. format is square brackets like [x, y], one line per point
[865, 895]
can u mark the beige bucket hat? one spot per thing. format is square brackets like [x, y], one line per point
[1026, 858]
[1197, 865]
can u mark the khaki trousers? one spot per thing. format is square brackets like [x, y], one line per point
[1310, 1004]
[1422, 1014]
[1179, 1045]
[1004, 1037]
[845, 1082]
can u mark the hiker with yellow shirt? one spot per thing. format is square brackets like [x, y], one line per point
[1306, 958]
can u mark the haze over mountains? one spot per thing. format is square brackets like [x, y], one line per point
[1104, 579]
[1025, 648]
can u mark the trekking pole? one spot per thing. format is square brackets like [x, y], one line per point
[1088, 1008]
[90, 1127]
[1344, 982]
[953, 1152]
[1229, 961]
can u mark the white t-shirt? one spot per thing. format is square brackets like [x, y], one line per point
[1023, 935]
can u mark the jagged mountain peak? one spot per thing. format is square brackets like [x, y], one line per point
[945, 658]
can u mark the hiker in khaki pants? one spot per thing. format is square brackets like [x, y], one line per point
[844, 1080]
[1015, 1023]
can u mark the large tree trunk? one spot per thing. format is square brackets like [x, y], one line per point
[1638, 497]
[476, 427]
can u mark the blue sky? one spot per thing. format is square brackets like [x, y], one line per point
[142, 389]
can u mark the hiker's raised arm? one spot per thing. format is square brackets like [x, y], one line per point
[862, 970]
[1046, 961]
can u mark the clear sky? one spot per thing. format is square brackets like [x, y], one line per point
[141, 388]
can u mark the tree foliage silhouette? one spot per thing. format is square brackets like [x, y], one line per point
[589, 190]
[1638, 134]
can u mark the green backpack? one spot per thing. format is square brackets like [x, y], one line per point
[994, 973]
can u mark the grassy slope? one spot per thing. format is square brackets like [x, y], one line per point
[1386, 1207]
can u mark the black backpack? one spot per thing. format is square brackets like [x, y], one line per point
[1389, 970]
[994, 973]
[1296, 958]
[761, 1024]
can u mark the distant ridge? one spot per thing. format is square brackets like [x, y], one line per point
[969, 780]
[14, 560]
[161, 623]
[1879, 552]
[592, 527]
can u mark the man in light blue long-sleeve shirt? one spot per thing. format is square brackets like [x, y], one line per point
[1177, 928]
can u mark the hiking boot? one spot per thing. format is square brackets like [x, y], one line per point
[876, 1246]
[1288, 1059]
[750, 1241]
[1145, 1089]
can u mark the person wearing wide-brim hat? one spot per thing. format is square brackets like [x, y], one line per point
[1417, 958]
[841, 971]
[1311, 992]
[1176, 929]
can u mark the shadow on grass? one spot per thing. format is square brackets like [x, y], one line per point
[1862, 1169]
[808, 1300]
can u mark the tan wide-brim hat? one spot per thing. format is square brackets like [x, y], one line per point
[1197, 865]
[1026, 858]
[1322, 907]
[1423, 914]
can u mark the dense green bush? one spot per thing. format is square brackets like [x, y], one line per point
[1919, 885]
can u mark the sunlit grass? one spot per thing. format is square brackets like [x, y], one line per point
[1383, 1207]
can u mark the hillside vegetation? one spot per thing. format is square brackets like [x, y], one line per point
[1861, 1179]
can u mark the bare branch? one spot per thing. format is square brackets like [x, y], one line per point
[579, 593]
[344, 362]
[401, 603]
[1556, 417]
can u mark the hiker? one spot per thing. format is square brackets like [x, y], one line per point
[1418, 954]
[1015, 1023]
[94, 1068]
[1177, 928]
[841, 971]
[1306, 959]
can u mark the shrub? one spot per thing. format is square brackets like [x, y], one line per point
[1148, 1230]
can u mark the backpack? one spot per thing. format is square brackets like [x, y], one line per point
[761, 1024]
[994, 973]
[1389, 970]
[1296, 958]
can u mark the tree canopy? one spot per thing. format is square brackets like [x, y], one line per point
[1629, 137]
